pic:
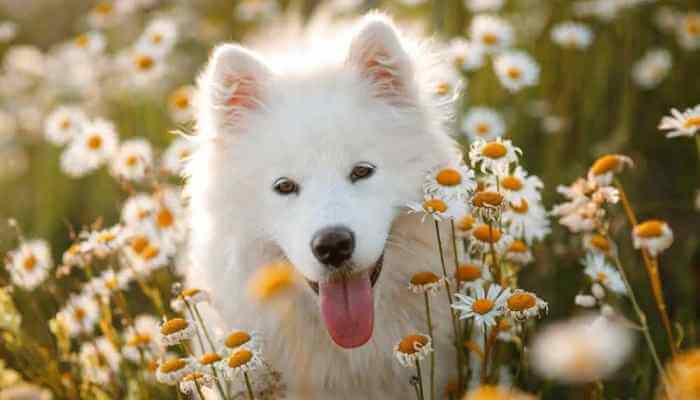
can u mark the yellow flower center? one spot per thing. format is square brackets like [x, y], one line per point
[489, 39]
[239, 358]
[483, 128]
[193, 376]
[649, 229]
[449, 177]
[602, 277]
[599, 242]
[692, 122]
[184, 154]
[190, 292]
[173, 325]
[150, 252]
[106, 237]
[139, 243]
[466, 223]
[605, 164]
[131, 160]
[79, 314]
[65, 124]
[209, 358]
[104, 8]
[165, 218]
[692, 26]
[111, 283]
[514, 73]
[511, 182]
[172, 365]
[144, 62]
[487, 199]
[424, 278]
[521, 208]
[442, 88]
[467, 273]
[521, 301]
[139, 339]
[482, 306]
[487, 234]
[435, 205]
[459, 61]
[494, 150]
[156, 38]
[29, 263]
[82, 41]
[236, 339]
[180, 99]
[411, 344]
[94, 142]
[518, 246]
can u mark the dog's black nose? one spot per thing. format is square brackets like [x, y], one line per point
[333, 245]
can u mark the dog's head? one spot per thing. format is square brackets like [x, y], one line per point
[320, 160]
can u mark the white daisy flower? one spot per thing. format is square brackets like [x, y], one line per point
[472, 273]
[585, 300]
[93, 146]
[654, 236]
[181, 104]
[600, 271]
[172, 371]
[603, 170]
[477, 6]
[192, 383]
[449, 181]
[63, 124]
[516, 70]
[597, 243]
[8, 31]
[526, 220]
[413, 348]
[493, 33]
[686, 123]
[652, 68]
[146, 253]
[689, 31]
[483, 307]
[173, 159]
[104, 242]
[192, 296]
[176, 330]
[169, 217]
[80, 314]
[425, 282]
[465, 55]
[493, 157]
[138, 209]
[464, 223]
[483, 123]
[439, 208]
[241, 360]
[518, 252]
[29, 264]
[143, 65]
[485, 236]
[487, 205]
[521, 305]
[91, 43]
[142, 336]
[133, 160]
[598, 291]
[99, 360]
[237, 338]
[74, 256]
[572, 35]
[159, 37]
[517, 186]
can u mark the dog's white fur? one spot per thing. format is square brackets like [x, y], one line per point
[311, 117]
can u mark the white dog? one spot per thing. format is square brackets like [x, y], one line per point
[311, 158]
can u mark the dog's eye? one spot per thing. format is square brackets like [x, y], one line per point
[361, 171]
[285, 186]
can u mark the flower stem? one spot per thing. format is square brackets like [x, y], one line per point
[204, 327]
[420, 379]
[199, 335]
[432, 353]
[449, 304]
[248, 386]
[485, 362]
[494, 260]
[199, 389]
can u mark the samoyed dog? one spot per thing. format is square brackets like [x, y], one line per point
[310, 157]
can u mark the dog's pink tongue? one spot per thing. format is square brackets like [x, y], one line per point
[347, 308]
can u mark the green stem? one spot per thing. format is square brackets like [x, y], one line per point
[199, 335]
[199, 389]
[204, 327]
[420, 379]
[432, 354]
[248, 386]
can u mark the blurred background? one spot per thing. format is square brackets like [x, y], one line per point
[591, 98]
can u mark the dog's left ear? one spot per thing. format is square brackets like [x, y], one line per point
[376, 51]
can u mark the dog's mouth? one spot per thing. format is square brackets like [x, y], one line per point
[347, 305]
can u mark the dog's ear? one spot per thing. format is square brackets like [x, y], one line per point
[237, 78]
[376, 51]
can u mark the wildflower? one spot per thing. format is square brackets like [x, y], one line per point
[242, 339]
[190, 382]
[604, 168]
[516, 70]
[169, 217]
[519, 253]
[192, 296]
[271, 279]
[464, 223]
[176, 330]
[80, 314]
[133, 160]
[484, 236]
[495, 156]
[91, 43]
[439, 208]
[143, 65]
[517, 186]
[108, 282]
[137, 209]
[527, 221]
[483, 123]
[159, 36]
[94, 146]
[652, 68]
[99, 360]
[488, 392]
[654, 236]
[181, 104]
[492, 33]
[173, 159]
[585, 300]
[582, 349]
[487, 204]
[465, 55]
[448, 181]
[413, 348]
[477, 6]
[241, 360]
[598, 243]
[210, 359]
[29, 264]
[8, 31]
[689, 31]
[521, 305]
[483, 307]
[686, 123]
[142, 336]
[105, 241]
[598, 291]
[146, 253]
[173, 370]
[572, 35]
[472, 273]
[683, 374]
[63, 124]
[425, 282]
[598, 269]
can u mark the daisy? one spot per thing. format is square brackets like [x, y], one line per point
[604, 169]
[104, 242]
[483, 123]
[138, 209]
[689, 31]
[236, 339]
[526, 220]
[595, 242]
[172, 371]
[488, 392]
[63, 124]
[654, 236]
[29, 264]
[519, 253]
[93, 146]
[477, 6]
[652, 68]
[80, 314]
[181, 104]
[516, 70]
[74, 256]
[600, 271]
[485, 236]
[108, 282]
[572, 35]
[464, 223]
[492, 33]
[493, 157]
[472, 273]
[487, 205]
[517, 186]
[683, 373]
[176, 330]
[438, 208]
[522, 305]
[449, 181]
[413, 348]
[483, 307]
[585, 300]
[159, 37]
[104, 14]
[211, 359]
[91, 43]
[195, 382]
[143, 65]
[169, 217]
[133, 160]
[175, 156]
[142, 336]
[99, 360]
[241, 360]
[583, 349]
[146, 254]
[425, 282]
[465, 55]
[192, 296]
[686, 123]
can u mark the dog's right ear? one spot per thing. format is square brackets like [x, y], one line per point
[236, 79]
